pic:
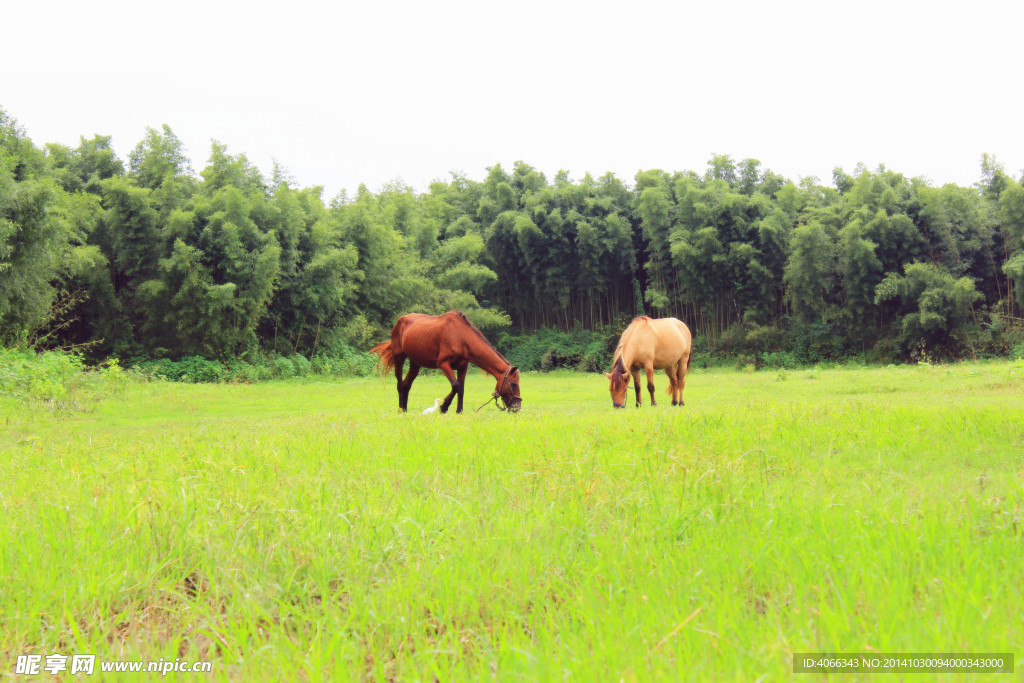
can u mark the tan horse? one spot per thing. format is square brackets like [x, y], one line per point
[651, 344]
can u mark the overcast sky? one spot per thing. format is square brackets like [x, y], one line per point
[371, 92]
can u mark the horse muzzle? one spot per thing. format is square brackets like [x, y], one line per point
[514, 405]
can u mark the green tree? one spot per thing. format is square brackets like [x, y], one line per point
[809, 273]
[860, 271]
[159, 157]
[34, 244]
[1011, 205]
[935, 307]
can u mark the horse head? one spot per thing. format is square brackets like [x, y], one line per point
[508, 390]
[619, 382]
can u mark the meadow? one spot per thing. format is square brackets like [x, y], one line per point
[305, 530]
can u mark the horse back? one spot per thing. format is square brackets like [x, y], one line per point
[679, 335]
[664, 341]
[426, 339]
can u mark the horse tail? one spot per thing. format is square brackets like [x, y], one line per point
[689, 357]
[387, 357]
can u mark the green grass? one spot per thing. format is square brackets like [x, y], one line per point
[306, 530]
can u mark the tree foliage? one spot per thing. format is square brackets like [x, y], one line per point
[227, 263]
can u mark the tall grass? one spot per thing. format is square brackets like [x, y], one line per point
[56, 381]
[307, 530]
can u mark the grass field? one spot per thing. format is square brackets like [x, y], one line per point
[306, 530]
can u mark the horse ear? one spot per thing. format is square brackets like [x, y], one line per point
[515, 368]
[608, 375]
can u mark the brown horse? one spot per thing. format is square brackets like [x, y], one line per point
[651, 344]
[449, 342]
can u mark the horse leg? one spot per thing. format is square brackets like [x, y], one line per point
[402, 396]
[462, 385]
[683, 369]
[650, 382]
[636, 385]
[446, 368]
[404, 386]
[672, 382]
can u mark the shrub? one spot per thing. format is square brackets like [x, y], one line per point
[283, 367]
[815, 343]
[340, 359]
[302, 366]
[746, 361]
[322, 365]
[189, 369]
[239, 371]
[198, 369]
[40, 376]
[778, 359]
[595, 357]
[357, 363]
[163, 368]
[548, 349]
[763, 339]
[60, 381]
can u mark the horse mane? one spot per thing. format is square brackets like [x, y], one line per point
[481, 335]
[620, 374]
[633, 324]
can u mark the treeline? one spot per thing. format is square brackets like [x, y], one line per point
[150, 259]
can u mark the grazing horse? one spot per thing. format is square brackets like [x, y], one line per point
[651, 344]
[449, 342]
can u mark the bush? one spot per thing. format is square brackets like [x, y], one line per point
[263, 372]
[240, 371]
[778, 359]
[322, 365]
[746, 361]
[283, 367]
[704, 356]
[197, 369]
[189, 369]
[595, 358]
[44, 376]
[348, 362]
[340, 359]
[163, 368]
[357, 332]
[357, 363]
[548, 349]
[60, 381]
[815, 343]
[302, 366]
[763, 339]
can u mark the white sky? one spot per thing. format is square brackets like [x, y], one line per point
[376, 91]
